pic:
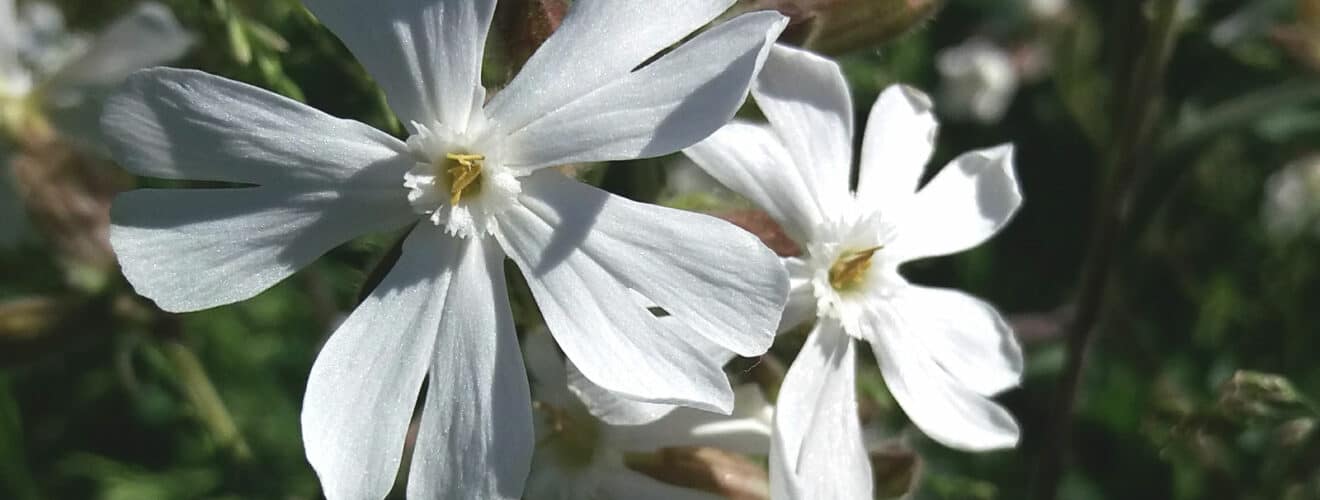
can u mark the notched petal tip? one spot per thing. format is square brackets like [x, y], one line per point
[1003, 157]
[918, 100]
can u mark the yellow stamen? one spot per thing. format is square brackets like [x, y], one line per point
[465, 172]
[848, 271]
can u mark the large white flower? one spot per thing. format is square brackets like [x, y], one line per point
[472, 178]
[942, 353]
[579, 457]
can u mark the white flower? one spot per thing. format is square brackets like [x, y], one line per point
[40, 60]
[47, 73]
[580, 457]
[942, 353]
[1292, 200]
[977, 80]
[473, 184]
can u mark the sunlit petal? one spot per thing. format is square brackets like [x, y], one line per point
[963, 206]
[659, 109]
[900, 138]
[425, 54]
[364, 385]
[475, 439]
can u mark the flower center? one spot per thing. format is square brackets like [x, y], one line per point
[849, 270]
[458, 185]
[463, 174]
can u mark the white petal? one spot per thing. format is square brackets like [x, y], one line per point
[364, 385]
[900, 138]
[747, 431]
[936, 401]
[183, 124]
[145, 37]
[801, 296]
[964, 334]
[616, 409]
[752, 161]
[807, 102]
[476, 438]
[589, 255]
[193, 249]
[624, 483]
[659, 109]
[598, 42]
[964, 205]
[425, 54]
[611, 407]
[818, 450]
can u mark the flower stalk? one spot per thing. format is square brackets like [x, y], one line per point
[1127, 159]
[201, 393]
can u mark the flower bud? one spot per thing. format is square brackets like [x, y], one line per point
[762, 226]
[30, 318]
[897, 470]
[846, 25]
[723, 473]
[527, 24]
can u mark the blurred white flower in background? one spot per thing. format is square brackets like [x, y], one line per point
[51, 77]
[580, 457]
[59, 75]
[1046, 9]
[683, 177]
[978, 80]
[942, 353]
[1292, 200]
[473, 186]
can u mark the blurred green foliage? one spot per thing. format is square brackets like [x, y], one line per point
[206, 405]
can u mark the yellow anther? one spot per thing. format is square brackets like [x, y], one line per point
[465, 172]
[848, 271]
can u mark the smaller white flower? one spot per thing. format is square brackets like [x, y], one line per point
[977, 80]
[37, 53]
[1292, 200]
[581, 457]
[942, 353]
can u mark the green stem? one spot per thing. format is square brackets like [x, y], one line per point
[205, 399]
[1126, 161]
[15, 476]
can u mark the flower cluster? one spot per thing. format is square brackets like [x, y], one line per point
[646, 303]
